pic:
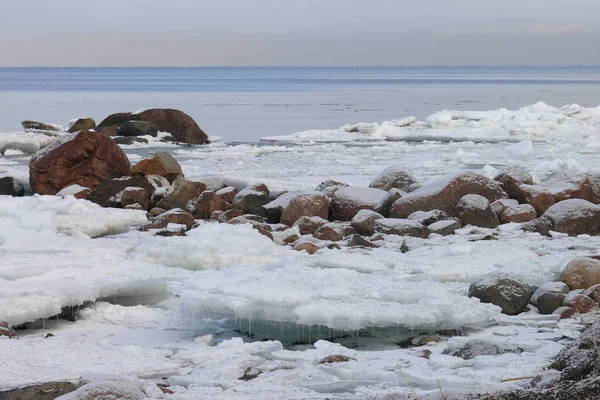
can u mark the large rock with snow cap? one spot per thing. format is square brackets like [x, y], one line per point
[575, 217]
[401, 227]
[175, 122]
[86, 158]
[174, 216]
[308, 225]
[396, 177]
[251, 201]
[476, 210]
[385, 205]
[540, 198]
[520, 213]
[445, 193]
[162, 164]
[181, 194]
[429, 217]
[511, 178]
[330, 186]
[334, 231]
[347, 201]
[570, 185]
[581, 273]
[364, 222]
[505, 291]
[82, 124]
[207, 203]
[274, 209]
[107, 194]
[308, 204]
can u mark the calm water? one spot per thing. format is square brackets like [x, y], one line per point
[303, 79]
[245, 104]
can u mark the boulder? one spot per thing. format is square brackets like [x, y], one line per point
[174, 216]
[385, 205]
[570, 185]
[175, 122]
[549, 287]
[330, 186]
[401, 227]
[108, 193]
[564, 312]
[207, 203]
[444, 194]
[364, 222]
[44, 391]
[308, 225]
[274, 209]
[309, 247]
[581, 273]
[138, 128]
[395, 177]
[162, 164]
[181, 194]
[428, 217]
[82, 124]
[251, 202]
[310, 204]
[579, 302]
[575, 217]
[134, 195]
[505, 291]
[11, 187]
[499, 206]
[155, 212]
[593, 292]
[333, 231]
[7, 331]
[227, 193]
[347, 201]
[86, 158]
[444, 227]
[29, 125]
[257, 224]
[229, 215]
[476, 210]
[79, 192]
[358, 241]
[521, 213]
[129, 140]
[511, 178]
[541, 199]
[548, 302]
[541, 225]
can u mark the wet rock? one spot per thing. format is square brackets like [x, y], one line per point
[86, 158]
[162, 164]
[348, 201]
[444, 194]
[395, 177]
[308, 225]
[575, 217]
[83, 124]
[181, 194]
[541, 225]
[138, 128]
[385, 205]
[505, 291]
[541, 199]
[476, 210]
[401, 227]
[579, 302]
[445, 227]
[511, 178]
[521, 213]
[311, 204]
[428, 217]
[11, 187]
[175, 122]
[364, 222]
[207, 203]
[581, 273]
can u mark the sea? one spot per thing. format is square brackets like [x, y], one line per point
[243, 104]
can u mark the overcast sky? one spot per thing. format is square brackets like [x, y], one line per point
[298, 32]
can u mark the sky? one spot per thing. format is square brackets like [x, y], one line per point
[298, 32]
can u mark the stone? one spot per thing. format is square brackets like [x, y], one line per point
[521, 213]
[7, 331]
[358, 241]
[86, 158]
[396, 177]
[348, 201]
[129, 140]
[502, 290]
[251, 201]
[364, 222]
[330, 186]
[401, 227]
[108, 193]
[308, 225]
[162, 164]
[207, 203]
[44, 391]
[541, 225]
[444, 227]
[175, 122]
[134, 195]
[174, 216]
[428, 217]
[541, 199]
[333, 231]
[444, 194]
[274, 208]
[475, 348]
[79, 192]
[581, 273]
[570, 185]
[227, 193]
[289, 237]
[10, 186]
[135, 206]
[312, 204]
[82, 124]
[575, 217]
[181, 194]
[156, 211]
[500, 205]
[29, 125]
[385, 205]
[549, 287]
[579, 302]
[230, 214]
[257, 224]
[476, 210]
[593, 292]
[109, 131]
[564, 312]
[511, 178]
[309, 247]
[336, 358]
[548, 302]
[138, 128]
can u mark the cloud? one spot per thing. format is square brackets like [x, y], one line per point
[557, 30]
[448, 32]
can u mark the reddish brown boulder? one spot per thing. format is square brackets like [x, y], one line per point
[310, 204]
[175, 122]
[334, 231]
[181, 194]
[580, 302]
[134, 195]
[593, 293]
[511, 178]
[274, 209]
[476, 210]
[581, 273]
[76, 191]
[564, 312]
[309, 247]
[207, 203]
[570, 185]
[575, 217]
[229, 215]
[520, 213]
[86, 158]
[347, 201]
[541, 199]
[6, 330]
[162, 164]
[175, 216]
[308, 225]
[108, 193]
[227, 193]
[445, 193]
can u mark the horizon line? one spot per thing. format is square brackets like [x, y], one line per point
[317, 66]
